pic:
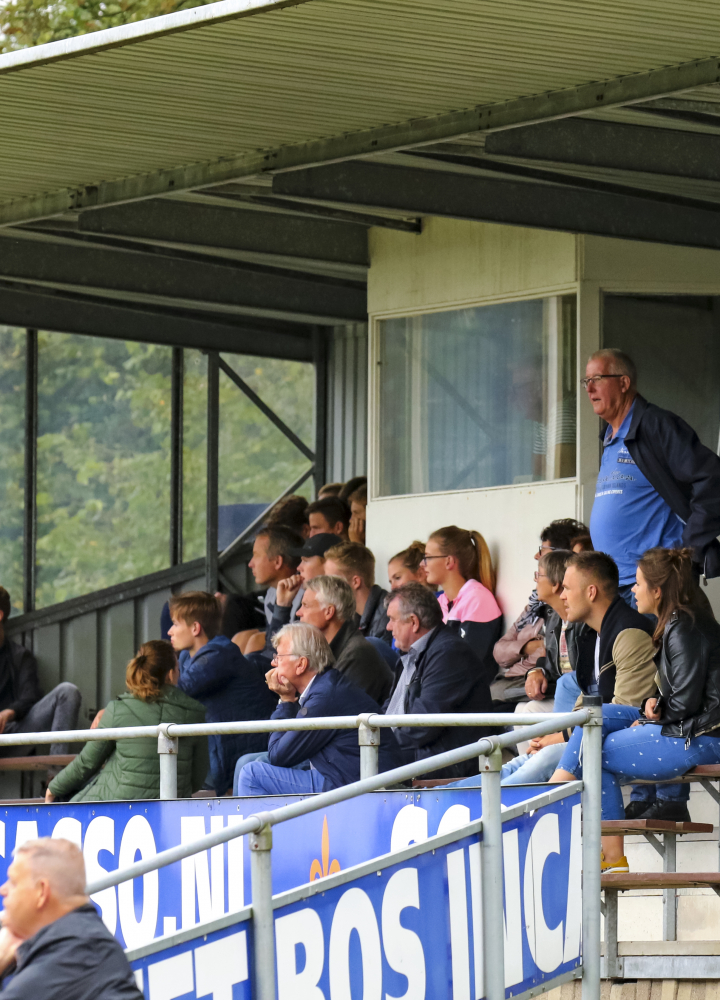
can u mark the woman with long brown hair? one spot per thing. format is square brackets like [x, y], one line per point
[459, 562]
[130, 769]
[679, 727]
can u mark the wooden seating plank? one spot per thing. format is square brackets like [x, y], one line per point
[617, 827]
[37, 762]
[660, 880]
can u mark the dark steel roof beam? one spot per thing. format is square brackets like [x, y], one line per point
[67, 312]
[619, 146]
[464, 194]
[131, 275]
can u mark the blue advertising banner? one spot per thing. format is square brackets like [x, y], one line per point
[414, 929]
[205, 887]
[217, 964]
[405, 926]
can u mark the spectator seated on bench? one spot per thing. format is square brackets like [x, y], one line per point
[214, 671]
[439, 672]
[308, 685]
[459, 562]
[130, 769]
[23, 709]
[355, 563]
[680, 724]
[522, 646]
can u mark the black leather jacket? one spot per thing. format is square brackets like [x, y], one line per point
[689, 676]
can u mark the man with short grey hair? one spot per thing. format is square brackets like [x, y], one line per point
[439, 672]
[658, 485]
[329, 604]
[308, 686]
[53, 942]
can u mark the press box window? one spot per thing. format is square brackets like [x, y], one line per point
[477, 397]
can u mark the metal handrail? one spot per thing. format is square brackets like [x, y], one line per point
[175, 730]
[253, 824]
[259, 827]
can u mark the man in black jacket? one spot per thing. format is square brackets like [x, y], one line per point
[658, 485]
[22, 706]
[439, 672]
[53, 942]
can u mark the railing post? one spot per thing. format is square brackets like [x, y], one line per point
[168, 752]
[369, 740]
[591, 844]
[262, 909]
[492, 877]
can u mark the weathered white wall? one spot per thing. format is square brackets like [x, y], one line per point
[510, 517]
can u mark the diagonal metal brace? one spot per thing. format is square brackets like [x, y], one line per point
[264, 408]
[708, 786]
[653, 840]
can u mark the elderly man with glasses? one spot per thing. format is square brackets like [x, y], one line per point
[658, 485]
[308, 686]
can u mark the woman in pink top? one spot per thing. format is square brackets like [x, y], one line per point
[459, 561]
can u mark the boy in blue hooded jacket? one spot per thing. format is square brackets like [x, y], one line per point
[215, 672]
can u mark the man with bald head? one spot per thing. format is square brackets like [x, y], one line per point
[53, 942]
[658, 485]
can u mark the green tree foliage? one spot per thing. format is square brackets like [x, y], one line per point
[104, 455]
[12, 461]
[33, 22]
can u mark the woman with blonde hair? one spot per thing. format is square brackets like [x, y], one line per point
[130, 769]
[459, 562]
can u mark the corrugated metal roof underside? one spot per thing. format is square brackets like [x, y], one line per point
[321, 69]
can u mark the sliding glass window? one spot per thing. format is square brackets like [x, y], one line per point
[477, 397]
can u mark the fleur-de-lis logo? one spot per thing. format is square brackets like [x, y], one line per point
[318, 870]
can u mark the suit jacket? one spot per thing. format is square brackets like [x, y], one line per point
[448, 678]
[335, 753]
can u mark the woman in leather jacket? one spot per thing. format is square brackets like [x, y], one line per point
[680, 727]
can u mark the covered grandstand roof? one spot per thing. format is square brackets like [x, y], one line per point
[194, 166]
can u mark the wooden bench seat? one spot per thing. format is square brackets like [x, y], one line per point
[661, 880]
[624, 827]
[37, 762]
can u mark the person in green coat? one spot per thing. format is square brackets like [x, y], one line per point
[130, 769]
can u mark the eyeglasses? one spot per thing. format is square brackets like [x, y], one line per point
[546, 548]
[428, 558]
[278, 655]
[539, 576]
[596, 379]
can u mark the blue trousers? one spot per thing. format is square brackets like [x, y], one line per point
[261, 778]
[567, 692]
[643, 752]
[616, 720]
[247, 758]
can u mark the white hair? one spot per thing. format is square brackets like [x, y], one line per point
[333, 590]
[307, 641]
[59, 861]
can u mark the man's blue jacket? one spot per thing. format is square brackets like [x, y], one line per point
[232, 690]
[335, 753]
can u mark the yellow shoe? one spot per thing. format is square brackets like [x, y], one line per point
[620, 867]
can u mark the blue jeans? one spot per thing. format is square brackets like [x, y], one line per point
[643, 752]
[567, 692]
[625, 591]
[527, 769]
[264, 756]
[261, 778]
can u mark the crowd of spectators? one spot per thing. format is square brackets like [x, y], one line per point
[616, 610]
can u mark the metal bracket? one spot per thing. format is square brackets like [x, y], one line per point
[491, 761]
[708, 786]
[653, 840]
[261, 840]
[166, 743]
[368, 736]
